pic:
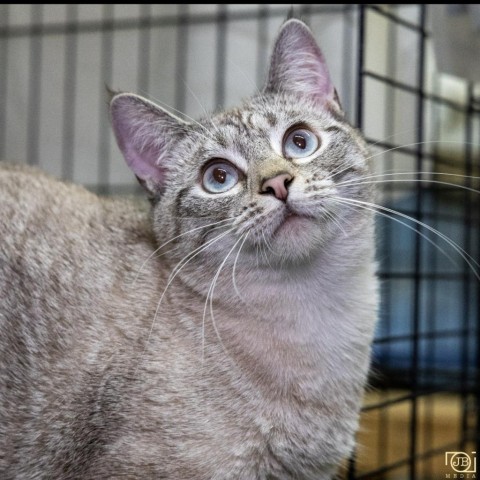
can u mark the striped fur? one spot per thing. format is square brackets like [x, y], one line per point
[218, 336]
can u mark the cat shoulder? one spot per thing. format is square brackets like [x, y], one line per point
[20, 184]
[33, 202]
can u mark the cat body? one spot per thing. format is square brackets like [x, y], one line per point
[225, 333]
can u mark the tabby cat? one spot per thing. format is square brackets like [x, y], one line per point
[223, 332]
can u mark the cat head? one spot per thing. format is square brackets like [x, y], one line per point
[267, 175]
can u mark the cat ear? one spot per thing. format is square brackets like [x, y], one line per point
[297, 65]
[144, 132]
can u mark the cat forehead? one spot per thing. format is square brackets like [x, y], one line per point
[257, 122]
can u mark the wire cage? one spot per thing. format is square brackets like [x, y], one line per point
[421, 410]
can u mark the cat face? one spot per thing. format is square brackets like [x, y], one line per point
[267, 174]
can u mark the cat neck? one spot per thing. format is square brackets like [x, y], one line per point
[281, 329]
[297, 327]
[254, 285]
[312, 303]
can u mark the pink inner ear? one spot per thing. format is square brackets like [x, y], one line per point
[136, 143]
[298, 64]
[308, 75]
[144, 164]
[142, 131]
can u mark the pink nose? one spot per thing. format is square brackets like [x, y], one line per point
[277, 185]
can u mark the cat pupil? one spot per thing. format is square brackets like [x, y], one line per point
[220, 175]
[299, 141]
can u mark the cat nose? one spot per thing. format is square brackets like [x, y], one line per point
[277, 185]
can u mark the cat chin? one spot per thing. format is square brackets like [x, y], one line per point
[294, 225]
[296, 240]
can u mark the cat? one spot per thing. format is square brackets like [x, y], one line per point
[222, 331]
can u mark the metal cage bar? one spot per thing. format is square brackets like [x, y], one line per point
[432, 326]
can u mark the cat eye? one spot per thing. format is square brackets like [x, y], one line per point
[299, 143]
[219, 176]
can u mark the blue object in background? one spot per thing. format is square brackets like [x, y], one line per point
[447, 312]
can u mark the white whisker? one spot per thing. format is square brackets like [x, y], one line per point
[367, 182]
[171, 240]
[245, 76]
[415, 144]
[180, 246]
[234, 266]
[336, 221]
[169, 107]
[264, 250]
[336, 171]
[205, 112]
[396, 134]
[472, 263]
[383, 214]
[210, 293]
[266, 242]
[189, 257]
[195, 252]
[392, 173]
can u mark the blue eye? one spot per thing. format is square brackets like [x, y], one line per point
[219, 177]
[299, 143]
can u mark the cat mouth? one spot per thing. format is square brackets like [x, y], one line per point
[292, 221]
